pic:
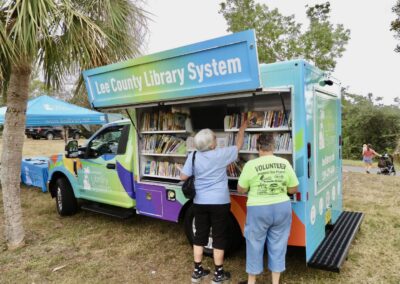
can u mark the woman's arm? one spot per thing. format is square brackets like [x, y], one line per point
[184, 177]
[375, 153]
[292, 190]
[241, 189]
[240, 137]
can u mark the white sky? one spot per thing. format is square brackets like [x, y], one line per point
[368, 65]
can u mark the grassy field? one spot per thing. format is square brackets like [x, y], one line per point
[359, 163]
[92, 248]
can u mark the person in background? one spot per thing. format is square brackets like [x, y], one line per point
[267, 180]
[211, 204]
[368, 154]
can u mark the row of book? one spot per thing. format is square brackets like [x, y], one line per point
[163, 144]
[162, 168]
[162, 120]
[235, 169]
[283, 141]
[259, 119]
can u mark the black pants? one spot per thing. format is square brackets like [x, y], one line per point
[207, 216]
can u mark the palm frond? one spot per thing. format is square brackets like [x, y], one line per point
[65, 36]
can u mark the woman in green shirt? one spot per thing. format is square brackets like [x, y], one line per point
[267, 180]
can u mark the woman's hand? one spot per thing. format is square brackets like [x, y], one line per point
[244, 124]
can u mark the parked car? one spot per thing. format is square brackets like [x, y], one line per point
[50, 132]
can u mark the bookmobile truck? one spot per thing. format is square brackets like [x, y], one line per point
[133, 165]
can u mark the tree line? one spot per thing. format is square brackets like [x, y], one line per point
[365, 120]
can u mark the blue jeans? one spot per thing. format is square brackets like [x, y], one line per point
[267, 225]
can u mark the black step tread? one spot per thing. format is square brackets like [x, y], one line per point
[113, 211]
[334, 248]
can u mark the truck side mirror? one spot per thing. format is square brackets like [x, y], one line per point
[72, 149]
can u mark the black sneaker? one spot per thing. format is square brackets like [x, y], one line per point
[198, 275]
[221, 277]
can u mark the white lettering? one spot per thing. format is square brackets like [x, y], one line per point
[181, 74]
[200, 72]
[191, 70]
[214, 65]
[207, 68]
[234, 65]
[103, 88]
[222, 67]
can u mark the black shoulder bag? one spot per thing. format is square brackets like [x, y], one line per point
[188, 188]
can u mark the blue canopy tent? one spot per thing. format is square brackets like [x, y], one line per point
[48, 111]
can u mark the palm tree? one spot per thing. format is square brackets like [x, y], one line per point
[60, 37]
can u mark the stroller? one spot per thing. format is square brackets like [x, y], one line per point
[385, 165]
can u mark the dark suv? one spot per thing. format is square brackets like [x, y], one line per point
[51, 133]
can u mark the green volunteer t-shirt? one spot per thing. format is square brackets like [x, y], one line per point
[267, 179]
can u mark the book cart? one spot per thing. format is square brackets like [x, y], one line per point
[215, 84]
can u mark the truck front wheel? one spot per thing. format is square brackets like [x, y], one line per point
[234, 237]
[65, 199]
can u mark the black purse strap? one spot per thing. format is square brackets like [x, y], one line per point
[193, 158]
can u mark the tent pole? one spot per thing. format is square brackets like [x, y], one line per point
[65, 134]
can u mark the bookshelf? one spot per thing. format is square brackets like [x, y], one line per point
[165, 132]
[167, 136]
[276, 129]
[164, 155]
[162, 177]
[162, 146]
[268, 121]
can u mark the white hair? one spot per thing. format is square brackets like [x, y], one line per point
[203, 140]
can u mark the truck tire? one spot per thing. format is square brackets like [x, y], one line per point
[49, 136]
[66, 202]
[234, 238]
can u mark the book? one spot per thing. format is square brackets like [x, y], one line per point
[255, 119]
[153, 166]
[222, 142]
[163, 121]
[147, 168]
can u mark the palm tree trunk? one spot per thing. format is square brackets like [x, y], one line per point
[13, 140]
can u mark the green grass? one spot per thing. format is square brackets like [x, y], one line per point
[360, 163]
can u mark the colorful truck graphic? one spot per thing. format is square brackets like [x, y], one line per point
[119, 167]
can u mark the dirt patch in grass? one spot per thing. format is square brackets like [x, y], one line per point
[92, 248]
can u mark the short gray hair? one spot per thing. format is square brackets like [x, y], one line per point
[204, 139]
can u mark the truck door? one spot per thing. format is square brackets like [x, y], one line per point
[327, 147]
[98, 177]
[324, 203]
